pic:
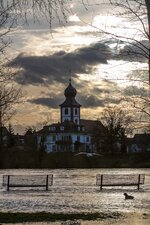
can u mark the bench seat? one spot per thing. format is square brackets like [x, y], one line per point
[14, 181]
[108, 180]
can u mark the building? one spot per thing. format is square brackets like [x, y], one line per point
[4, 137]
[139, 143]
[71, 134]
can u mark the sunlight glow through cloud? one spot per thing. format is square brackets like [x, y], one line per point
[84, 28]
[74, 18]
[118, 26]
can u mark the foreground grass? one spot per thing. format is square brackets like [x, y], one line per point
[44, 216]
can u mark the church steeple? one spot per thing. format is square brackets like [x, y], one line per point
[70, 91]
[70, 108]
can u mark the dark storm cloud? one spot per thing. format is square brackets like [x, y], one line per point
[134, 90]
[135, 51]
[86, 101]
[47, 101]
[101, 90]
[49, 69]
[93, 96]
[93, 101]
[55, 68]
[90, 101]
[87, 95]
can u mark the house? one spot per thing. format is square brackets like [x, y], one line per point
[97, 132]
[71, 134]
[139, 143]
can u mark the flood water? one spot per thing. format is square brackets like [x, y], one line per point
[74, 190]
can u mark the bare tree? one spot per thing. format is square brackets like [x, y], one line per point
[13, 13]
[137, 12]
[12, 10]
[9, 93]
[118, 124]
[9, 96]
[140, 106]
[137, 45]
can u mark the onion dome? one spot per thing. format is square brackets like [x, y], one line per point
[70, 91]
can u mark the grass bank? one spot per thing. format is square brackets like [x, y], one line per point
[9, 217]
[29, 158]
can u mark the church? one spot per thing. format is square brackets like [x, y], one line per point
[71, 134]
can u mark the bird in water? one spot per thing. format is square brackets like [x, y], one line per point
[128, 196]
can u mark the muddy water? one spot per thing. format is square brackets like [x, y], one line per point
[75, 191]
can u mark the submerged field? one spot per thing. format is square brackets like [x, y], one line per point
[74, 195]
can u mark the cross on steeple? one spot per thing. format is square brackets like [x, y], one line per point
[70, 76]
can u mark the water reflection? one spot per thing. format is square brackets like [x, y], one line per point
[75, 191]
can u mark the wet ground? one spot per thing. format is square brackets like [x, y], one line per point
[75, 191]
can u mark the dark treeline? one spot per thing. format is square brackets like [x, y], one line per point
[30, 158]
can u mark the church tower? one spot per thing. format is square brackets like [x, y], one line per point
[70, 108]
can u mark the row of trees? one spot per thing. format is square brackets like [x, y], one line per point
[14, 12]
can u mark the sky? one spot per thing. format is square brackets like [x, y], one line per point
[96, 62]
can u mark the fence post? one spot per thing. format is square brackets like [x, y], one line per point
[101, 183]
[52, 180]
[46, 182]
[138, 186]
[8, 181]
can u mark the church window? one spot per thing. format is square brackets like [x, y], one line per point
[54, 138]
[87, 139]
[78, 138]
[66, 111]
[54, 147]
[52, 128]
[69, 138]
[61, 128]
[76, 111]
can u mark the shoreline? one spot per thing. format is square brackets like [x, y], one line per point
[16, 217]
[89, 218]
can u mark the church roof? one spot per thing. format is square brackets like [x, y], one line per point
[70, 93]
[92, 126]
[68, 127]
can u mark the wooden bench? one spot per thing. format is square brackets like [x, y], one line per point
[14, 181]
[106, 180]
